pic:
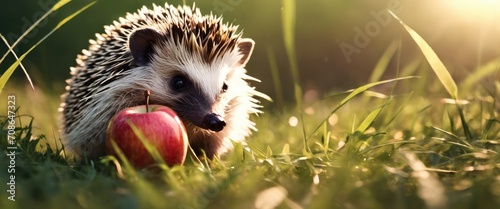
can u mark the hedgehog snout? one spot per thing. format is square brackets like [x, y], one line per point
[213, 122]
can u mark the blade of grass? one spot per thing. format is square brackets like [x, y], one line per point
[370, 85]
[465, 126]
[488, 127]
[142, 188]
[273, 65]
[399, 110]
[6, 75]
[451, 121]
[452, 142]
[128, 168]
[17, 58]
[439, 69]
[56, 6]
[410, 68]
[367, 93]
[434, 61]
[288, 21]
[354, 93]
[481, 72]
[326, 139]
[363, 126]
[156, 155]
[114, 160]
[383, 62]
[149, 147]
[466, 144]
[393, 144]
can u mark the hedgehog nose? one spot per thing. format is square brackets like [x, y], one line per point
[214, 122]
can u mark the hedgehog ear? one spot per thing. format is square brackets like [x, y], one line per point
[245, 47]
[141, 43]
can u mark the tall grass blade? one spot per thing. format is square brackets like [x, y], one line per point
[383, 62]
[20, 63]
[451, 121]
[363, 126]
[6, 75]
[411, 67]
[465, 126]
[56, 6]
[276, 77]
[129, 169]
[326, 139]
[434, 61]
[488, 127]
[465, 143]
[133, 177]
[149, 147]
[288, 21]
[404, 104]
[356, 92]
[481, 72]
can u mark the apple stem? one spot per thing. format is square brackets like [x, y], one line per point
[147, 93]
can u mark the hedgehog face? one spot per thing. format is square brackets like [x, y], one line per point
[199, 88]
[194, 103]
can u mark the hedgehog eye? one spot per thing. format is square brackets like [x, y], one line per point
[224, 87]
[178, 83]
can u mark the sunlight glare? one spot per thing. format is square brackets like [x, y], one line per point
[476, 8]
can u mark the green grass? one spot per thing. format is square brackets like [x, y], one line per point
[6, 75]
[396, 143]
[383, 151]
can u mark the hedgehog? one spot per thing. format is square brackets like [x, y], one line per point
[192, 63]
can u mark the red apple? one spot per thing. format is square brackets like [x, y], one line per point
[160, 126]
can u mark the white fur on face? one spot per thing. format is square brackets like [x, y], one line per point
[208, 77]
[234, 105]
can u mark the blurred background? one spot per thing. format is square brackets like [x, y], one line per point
[338, 42]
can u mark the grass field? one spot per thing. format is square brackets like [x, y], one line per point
[419, 140]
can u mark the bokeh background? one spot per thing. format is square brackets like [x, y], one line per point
[464, 33]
